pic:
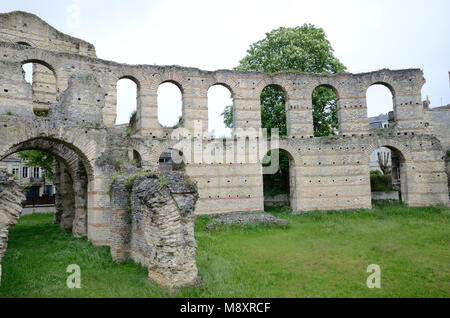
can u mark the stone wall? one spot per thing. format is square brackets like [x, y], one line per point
[326, 172]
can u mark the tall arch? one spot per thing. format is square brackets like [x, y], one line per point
[325, 104]
[280, 182]
[170, 104]
[380, 97]
[220, 110]
[127, 102]
[43, 80]
[273, 99]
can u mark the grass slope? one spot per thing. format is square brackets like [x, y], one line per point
[320, 254]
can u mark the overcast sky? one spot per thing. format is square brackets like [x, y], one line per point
[366, 35]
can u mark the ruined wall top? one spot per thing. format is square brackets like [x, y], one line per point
[26, 28]
[86, 87]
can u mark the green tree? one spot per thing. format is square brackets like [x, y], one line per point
[300, 49]
[39, 159]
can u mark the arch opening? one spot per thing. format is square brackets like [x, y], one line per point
[273, 109]
[380, 105]
[170, 105]
[220, 111]
[42, 79]
[127, 100]
[69, 173]
[325, 102]
[279, 187]
[387, 174]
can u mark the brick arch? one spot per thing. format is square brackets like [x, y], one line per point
[58, 150]
[227, 81]
[19, 41]
[168, 77]
[74, 139]
[282, 84]
[388, 143]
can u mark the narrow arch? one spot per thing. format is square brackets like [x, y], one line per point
[273, 99]
[137, 159]
[170, 104]
[380, 99]
[42, 78]
[279, 186]
[325, 104]
[220, 110]
[127, 104]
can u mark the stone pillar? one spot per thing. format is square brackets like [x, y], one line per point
[80, 190]
[58, 198]
[120, 221]
[67, 196]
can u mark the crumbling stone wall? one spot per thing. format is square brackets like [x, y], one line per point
[11, 199]
[326, 172]
[153, 223]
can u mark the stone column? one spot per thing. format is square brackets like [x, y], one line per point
[80, 200]
[67, 196]
[120, 221]
[58, 198]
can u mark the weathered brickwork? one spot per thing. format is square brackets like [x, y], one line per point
[326, 172]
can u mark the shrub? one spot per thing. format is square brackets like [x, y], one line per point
[380, 182]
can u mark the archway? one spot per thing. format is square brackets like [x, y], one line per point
[42, 79]
[325, 101]
[273, 109]
[170, 105]
[127, 100]
[220, 111]
[279, 185]
[388, 180]
[71, 175]
[380, 105]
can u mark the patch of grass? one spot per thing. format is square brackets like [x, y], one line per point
[320, 254]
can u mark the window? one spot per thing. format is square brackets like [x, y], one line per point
[170, 105]
[36, 172]
[49, 190]
[127, 93]
[25, 172]
[15, 171]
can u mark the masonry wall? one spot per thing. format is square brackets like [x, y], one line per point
[326, 172]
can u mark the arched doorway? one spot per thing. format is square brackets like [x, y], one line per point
[388, 174]
[71, 175]
[279, 185]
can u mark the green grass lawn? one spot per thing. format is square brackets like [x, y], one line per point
[320, 254]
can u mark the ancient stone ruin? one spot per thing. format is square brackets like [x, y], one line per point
[11, 198]
[70, 110]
